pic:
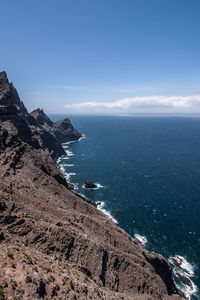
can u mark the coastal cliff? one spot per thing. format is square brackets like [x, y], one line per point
[53, 243]
[62, 130]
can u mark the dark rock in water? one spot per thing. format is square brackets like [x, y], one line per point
[178, 263]
[185, 280]
[90, 185]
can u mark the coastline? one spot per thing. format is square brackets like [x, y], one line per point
[39, 213]
[182, 278]
[99, 205]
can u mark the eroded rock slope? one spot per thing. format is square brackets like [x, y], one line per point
[53, 244]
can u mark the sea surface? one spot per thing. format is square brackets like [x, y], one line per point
[148, 175]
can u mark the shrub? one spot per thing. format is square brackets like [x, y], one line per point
[57, 287]
[14, 285]
[13, 265]
[5, 283]
[28, 257]
[46, 268]
[10, 254]
[51, 278]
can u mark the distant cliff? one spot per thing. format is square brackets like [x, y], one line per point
[54, 244]
[62, 130]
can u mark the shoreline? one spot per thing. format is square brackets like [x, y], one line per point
[185, 284]
[40, 213]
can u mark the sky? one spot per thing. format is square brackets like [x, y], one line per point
[103, 56]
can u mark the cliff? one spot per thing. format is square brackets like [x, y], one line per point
[54, 244]
[62, 130]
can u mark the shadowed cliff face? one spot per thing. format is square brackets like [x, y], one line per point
[52, 242]
[62, 130]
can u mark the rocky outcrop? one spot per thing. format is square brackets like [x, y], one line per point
[54, 243]
[62, 130]
[90, 185]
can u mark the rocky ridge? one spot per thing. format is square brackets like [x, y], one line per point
[62, 130]
[53, 243]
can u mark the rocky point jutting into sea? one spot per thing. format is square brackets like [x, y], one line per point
[55, 244]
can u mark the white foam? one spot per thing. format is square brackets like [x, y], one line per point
[100, 206]
[69, 153]
[62, 169]
[67, 143]
[141, 239]
[97, 184]
[63, 159]
[66, 165]
[82, 137]
[68, 175]
[183, 267]
[59, 159]
[71, 142]
[75, 186]
[188, 290]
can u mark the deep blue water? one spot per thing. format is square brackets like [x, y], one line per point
[150, 171]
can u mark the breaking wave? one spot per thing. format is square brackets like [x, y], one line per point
[141, 239]
[68, 176]
[100, 206]
[82, 137]
[183, 271]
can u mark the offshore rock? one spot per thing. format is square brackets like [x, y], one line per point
[90, 185]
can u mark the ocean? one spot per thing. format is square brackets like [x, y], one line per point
[148, 175]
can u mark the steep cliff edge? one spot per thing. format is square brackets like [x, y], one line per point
[53, 244]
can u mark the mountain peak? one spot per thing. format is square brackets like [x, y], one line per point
[41, 117]
[4, 85]
[8, 94]
[3, 78]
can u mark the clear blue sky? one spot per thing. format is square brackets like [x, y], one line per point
[103, 55]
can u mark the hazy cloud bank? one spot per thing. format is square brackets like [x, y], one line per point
[126, 104]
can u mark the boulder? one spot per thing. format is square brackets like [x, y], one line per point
[90, 185]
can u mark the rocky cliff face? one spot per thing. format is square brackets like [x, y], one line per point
[62, 130]
[53, 243]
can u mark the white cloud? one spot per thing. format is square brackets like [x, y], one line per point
[126, 104]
